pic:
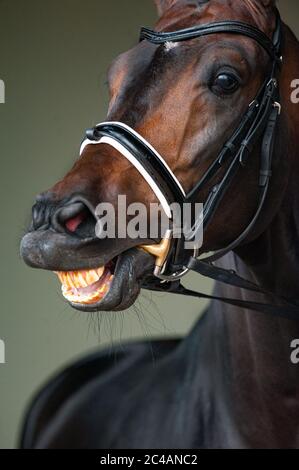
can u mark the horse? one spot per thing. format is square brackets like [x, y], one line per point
[230, 383]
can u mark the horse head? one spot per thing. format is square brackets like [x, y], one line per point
[186, 98]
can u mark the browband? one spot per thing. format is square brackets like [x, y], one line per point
[230, 27]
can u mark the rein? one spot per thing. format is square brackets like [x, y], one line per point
[259, 122]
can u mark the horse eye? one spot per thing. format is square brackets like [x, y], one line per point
[226, 83]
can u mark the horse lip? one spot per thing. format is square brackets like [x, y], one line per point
[126, 283]
[54, 251]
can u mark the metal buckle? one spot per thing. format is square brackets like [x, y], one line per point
[254, 103]
[277, 105]
[170, 277]
[161, 251]
[272, 81]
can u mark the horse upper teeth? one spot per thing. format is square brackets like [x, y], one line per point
[73, 281]
[100, 271]
[91, 277]
[80, 279]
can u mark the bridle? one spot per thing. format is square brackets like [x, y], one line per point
[258, 124]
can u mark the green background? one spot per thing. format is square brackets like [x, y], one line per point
[53, 59]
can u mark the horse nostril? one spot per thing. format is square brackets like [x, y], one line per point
[73, 223]
[70, 217]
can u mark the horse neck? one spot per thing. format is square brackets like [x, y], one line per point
[264, 383]
[255, 349]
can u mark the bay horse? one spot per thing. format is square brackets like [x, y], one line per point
[230, 383]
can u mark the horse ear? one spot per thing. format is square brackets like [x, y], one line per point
[163, 5]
